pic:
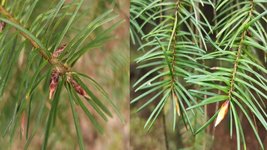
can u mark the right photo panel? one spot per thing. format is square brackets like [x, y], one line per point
[198, 74]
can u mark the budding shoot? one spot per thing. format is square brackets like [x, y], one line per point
[22, 124]
[77, 87]
[176, 104]
[222, 112]
[59, 50]
[2, 26]
[55, 73]
[53, 83]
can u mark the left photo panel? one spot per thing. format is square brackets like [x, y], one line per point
[64, 74]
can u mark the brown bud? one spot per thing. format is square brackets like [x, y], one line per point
[59, 50]
[2, 26]
[77, 87]
[222, 112]
[175, 99]
[53, 83]
[249, 34]
[22, 124]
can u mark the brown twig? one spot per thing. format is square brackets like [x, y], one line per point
[63, 68]
[239, 51]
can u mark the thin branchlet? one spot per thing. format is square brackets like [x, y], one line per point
[239, 51]
[173, 47]
[59, 67]
[224, 108]
[54, 62]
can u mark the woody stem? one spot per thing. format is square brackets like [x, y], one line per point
[55, 62]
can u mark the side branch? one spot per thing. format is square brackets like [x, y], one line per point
[224, 108]
[63, 68]
[239, 51]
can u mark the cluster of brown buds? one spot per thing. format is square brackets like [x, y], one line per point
[2, 26]
[55, 77]
[55, 72]
[77, 87]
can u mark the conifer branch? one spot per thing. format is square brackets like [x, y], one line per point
[239, 51]
[224, 108]
[63, 68]
[173, 40]
[39, 59]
